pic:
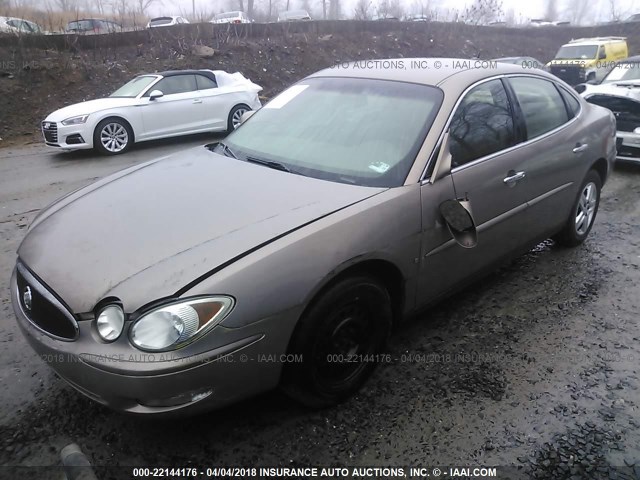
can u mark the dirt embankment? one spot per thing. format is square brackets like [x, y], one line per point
[37, 79]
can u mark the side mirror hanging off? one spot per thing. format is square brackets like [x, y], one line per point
[460, 222]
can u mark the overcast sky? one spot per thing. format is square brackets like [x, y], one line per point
[524, 8]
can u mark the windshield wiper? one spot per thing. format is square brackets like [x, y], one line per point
[269, 163]
[227, 151]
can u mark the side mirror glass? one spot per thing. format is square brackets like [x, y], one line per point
[459, 222]
[246, 116]
[581, 87]
[155, 94]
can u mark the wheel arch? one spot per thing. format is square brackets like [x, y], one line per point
[235, 105]
[602, 168]
[385, 271]
[116, 116]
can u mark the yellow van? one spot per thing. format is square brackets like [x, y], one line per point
[588, 59]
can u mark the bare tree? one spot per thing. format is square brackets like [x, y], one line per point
[615, 14]
[100, 6]
[551, 10]
[203, 15]
[324, 9]
[335, 9]
[397, 9]
[363, 10]
[576, 12]
[271, 8]
[390, 9]
[66, 5]
[424, 9]
[143, 5]
[482, 12]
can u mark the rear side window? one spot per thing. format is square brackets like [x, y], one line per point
[542, 106]
[482, 124]
[205, 82]
[176, 84]
[573, 105]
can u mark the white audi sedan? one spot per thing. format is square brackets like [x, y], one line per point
[153, 106]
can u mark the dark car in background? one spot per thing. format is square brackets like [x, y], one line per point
[92, 26]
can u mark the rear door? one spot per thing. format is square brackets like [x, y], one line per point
[488, 170]
[216, 105]
[556, 146]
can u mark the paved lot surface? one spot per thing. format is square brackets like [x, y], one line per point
[535, 367]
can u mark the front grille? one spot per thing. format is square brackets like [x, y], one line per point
[42, 308]
[571, 74]
[626, 111]
[50, 131]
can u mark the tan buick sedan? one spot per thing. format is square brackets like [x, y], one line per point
[284, 254]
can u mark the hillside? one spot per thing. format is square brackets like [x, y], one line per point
[38, 75]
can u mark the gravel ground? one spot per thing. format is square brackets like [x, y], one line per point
[535, 367]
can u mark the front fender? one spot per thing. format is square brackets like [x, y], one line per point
[286, 275]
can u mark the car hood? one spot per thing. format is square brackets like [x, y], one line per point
[145, 233]
[88, 107]
[624, 88]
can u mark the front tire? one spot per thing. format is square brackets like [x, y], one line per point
[112, 136]
[235, 116]
[583, 213]
[337, 340]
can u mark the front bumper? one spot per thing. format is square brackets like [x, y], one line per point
[67, 137]
[129, 380]
[628, 146]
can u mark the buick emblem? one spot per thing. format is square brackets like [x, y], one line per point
[27, 298]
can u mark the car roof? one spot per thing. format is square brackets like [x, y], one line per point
[596, 41]
[293, 12]
[426, 73]
[172, 73]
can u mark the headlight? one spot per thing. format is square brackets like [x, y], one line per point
[174, 325]
[75, 120]
[110, 322]
[637, 130]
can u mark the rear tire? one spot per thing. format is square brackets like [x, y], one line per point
[583, 213]
[235, 115]
[338, 339]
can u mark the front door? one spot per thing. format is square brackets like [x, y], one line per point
[178, 111]
[487, 170]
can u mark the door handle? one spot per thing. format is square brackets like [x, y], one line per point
[197, 100]
[513, 177]
[580, 147]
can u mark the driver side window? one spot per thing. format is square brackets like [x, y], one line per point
[482, 124]
[176, 84]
